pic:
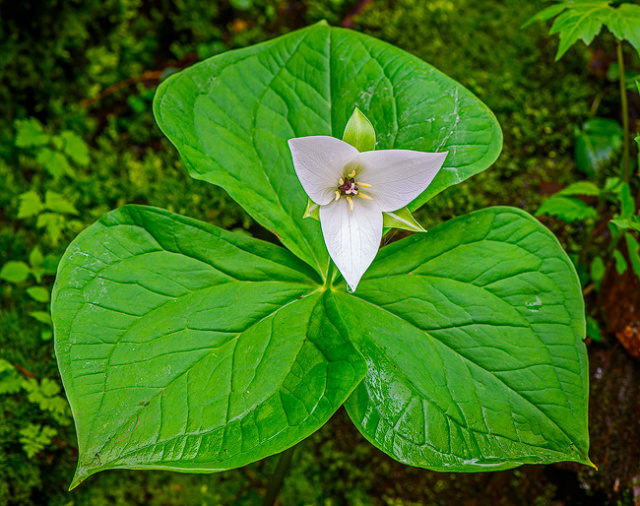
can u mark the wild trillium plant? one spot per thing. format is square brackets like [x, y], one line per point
[190, 348]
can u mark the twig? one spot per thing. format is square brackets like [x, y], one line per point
[26, 373]
[151, 75]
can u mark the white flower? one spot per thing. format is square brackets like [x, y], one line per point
[353, 189]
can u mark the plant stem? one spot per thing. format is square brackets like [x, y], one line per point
[625, 113]
[330, 275]
[275, 484]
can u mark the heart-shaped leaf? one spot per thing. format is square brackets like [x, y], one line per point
[185, 347]
[230, 118]
[473, 338]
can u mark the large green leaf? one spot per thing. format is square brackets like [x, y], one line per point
[185, 347]
[473, 338]
[230, 118]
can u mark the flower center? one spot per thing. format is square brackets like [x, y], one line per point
[348, 187]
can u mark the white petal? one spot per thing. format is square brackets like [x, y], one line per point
[397, 176]
[352, 237]
[319, 163]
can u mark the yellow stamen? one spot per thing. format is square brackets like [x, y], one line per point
[353, 173]
[341, 181]
[337, 196]
[363, 196]
[364, 185]
[350, 203]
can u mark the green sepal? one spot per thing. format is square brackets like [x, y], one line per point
[359, 132]
[402, 219]
[312, 210]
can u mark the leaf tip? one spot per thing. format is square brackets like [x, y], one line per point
[83, 471]
[75, 482]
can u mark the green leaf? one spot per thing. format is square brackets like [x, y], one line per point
[628, 204]
[38, 293]
[586, 188]
[593, 329]
[10, 380]
[626, 224]
[55, 163]
[613, 185]
[189, 348]
[242, 5]
[45, 395]
[633, 248]
[50, 264]
[621, 263]
[41, 316]
[30, 205]
[57, 141]
[546, 14]
[15, 272]
[30, 133]
[402, 219]
[59, 204]
[566, 208]
[624, 23]
[584, 23]
[359, 132]
[6, 366]
[36, 259]
[230, 118]
[597, 143]
[53, 223]
[597, 271]
[75, 148]
[583, 19]
[473, 338]
[35, 438]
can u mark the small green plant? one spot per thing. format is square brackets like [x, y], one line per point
[52, 213]
[17, 271]
[55, 153]
[35, 438]
[45, 395]
[623, 223]
[583, 20]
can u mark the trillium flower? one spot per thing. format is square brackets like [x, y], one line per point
[353, 189]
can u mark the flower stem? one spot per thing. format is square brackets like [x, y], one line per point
[625, 113]
[330, 275]
[275, 484]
